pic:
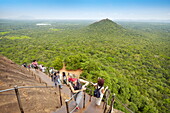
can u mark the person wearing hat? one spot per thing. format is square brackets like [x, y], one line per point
[69, 77]
[77, 89]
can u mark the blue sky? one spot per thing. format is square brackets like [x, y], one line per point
[86, 9]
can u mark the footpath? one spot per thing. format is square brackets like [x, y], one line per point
[90, 107]
[45, 78]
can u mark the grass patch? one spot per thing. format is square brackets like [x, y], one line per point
[56, 29]
[3, 33]
[19, 37]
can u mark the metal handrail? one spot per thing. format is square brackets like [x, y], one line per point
[71, 97]
[66, 101]
[90, 93]
[6, 90]
[124, 105]
[18, 99]
[113, 100]
[107, 95]
[73, 109]
[23, 87]
[36, 87]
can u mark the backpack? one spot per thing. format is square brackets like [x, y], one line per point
[97, 92]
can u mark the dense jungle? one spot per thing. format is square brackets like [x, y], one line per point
[132, 57]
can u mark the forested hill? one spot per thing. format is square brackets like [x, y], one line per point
[104, 27]
[134, 62]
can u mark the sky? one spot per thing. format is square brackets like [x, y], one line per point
[85, 9]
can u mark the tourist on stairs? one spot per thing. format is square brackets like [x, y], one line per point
[57, 79]
[77, 89]
[99, 92]
[24, 65]
[52, 73]
[34, 64]
[64, 78]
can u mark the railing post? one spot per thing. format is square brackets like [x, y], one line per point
[18, 99]
[105, 107]
[70, 92]
[106, 95]
[48, 71]
[84, 100]
[45, 84]
[39, 79]
[112, 102]
[66, 101]
[60, 95]
[90, 96]
[104, 98]
[35, 76]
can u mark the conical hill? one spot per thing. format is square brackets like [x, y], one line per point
[105, 26]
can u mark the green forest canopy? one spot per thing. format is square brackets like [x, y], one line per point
[132, 57]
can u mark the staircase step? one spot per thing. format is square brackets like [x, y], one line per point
[72, 104]
[43, 77]
[92, 108]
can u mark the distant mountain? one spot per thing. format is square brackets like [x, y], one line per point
[105, 26]
[24, 17]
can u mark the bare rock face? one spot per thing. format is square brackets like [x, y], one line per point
[33, 100]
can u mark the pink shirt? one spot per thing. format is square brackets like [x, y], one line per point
[35, 63]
